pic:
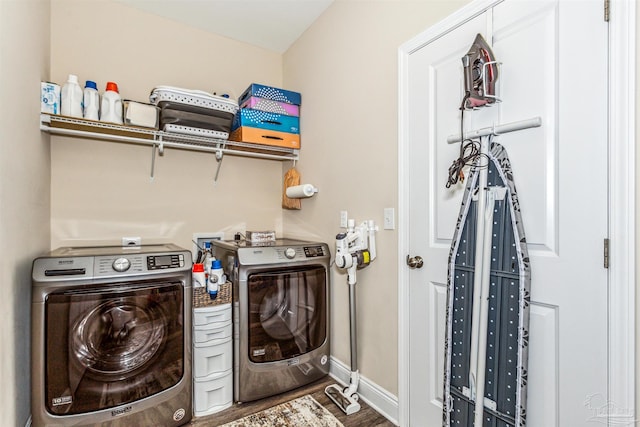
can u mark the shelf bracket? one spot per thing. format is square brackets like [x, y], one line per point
[219, 155]
[153, 159]
[160, 147]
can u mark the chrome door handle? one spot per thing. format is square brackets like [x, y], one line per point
[415, 261]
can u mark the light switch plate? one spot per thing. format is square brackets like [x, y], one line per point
[344, 219]
[389, 219]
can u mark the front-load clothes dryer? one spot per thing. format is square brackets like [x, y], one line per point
[280, 314]
[111, 337]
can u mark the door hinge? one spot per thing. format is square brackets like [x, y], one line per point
[606, 253]
[607, 5]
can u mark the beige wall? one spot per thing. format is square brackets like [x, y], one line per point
[345, 65]
[101, 191]
[24, 191]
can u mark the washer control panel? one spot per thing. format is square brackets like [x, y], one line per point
[100, 262]
[159, 262]
[137, 263]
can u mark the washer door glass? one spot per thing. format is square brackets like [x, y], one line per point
[111, 345]
[287, 313]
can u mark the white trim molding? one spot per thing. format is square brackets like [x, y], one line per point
[622, 212]
[374, 395]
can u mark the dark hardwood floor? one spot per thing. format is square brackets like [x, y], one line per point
[365, 417]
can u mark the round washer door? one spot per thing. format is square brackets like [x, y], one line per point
[118, 337]
[113, 344]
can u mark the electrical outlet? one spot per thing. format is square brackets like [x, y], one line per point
[199, 240]
[344, 219]
[131, 241]
[389, 219]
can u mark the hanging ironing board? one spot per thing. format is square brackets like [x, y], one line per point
[487, 326]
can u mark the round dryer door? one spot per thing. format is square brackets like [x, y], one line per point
[287, 313]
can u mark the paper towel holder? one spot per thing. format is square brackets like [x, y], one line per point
[302, 191]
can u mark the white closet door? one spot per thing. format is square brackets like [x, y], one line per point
[554, 62]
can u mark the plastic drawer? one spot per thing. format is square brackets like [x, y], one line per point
[212, 359]
[212, 394]
[212, 335]
[215, 316]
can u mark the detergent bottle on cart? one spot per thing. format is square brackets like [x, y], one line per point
[216, 278]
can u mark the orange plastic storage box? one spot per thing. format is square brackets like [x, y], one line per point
[265, 137]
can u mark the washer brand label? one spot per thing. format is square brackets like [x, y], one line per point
[293, 362]
[65, 261]
[259, 352]
[63, 400]
[179, 414]
[121, 411]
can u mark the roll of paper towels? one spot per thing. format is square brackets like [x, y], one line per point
[301, 191]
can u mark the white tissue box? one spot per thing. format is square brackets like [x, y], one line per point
[261, 236]
[49, 98]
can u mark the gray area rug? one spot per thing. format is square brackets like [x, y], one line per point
[304, 411]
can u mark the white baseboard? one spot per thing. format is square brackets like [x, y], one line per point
[374, 395]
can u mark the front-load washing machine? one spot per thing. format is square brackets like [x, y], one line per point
[280, 314]
[111, 336]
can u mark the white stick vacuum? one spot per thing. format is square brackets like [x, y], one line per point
[355, 249]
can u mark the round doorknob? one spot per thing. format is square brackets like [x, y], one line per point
[415, 261]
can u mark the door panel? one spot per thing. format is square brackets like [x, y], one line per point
[553, 56]
[528, 90]
[543, 409]
[437, 325]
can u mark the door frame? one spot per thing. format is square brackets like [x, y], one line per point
[621, 210]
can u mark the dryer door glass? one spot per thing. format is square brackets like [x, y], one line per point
[287, 313]
[111, 345]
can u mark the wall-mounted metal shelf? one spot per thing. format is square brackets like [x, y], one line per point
[158, 140]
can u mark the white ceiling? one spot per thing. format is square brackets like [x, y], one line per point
[270, 24]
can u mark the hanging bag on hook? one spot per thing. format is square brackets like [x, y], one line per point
[291, 179]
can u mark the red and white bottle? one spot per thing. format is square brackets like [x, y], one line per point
[111, 105]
